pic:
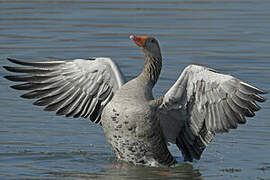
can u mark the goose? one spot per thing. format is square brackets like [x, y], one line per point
[138, 127]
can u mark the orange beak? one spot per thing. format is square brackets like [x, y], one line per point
[140, 41]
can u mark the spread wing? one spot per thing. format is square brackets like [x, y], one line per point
[78, 88]
[201, 103]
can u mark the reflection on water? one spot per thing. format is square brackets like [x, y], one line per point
[230, 36]
[121, 171]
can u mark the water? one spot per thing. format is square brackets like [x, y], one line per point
[232, 37]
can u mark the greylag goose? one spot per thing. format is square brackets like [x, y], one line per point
[201, 103]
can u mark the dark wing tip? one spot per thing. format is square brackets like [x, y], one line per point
[252, 89]
[263, 99]
[12, 78]
[15, 61]
[259, 98]
[264, 91]
[16, 69]
[19, 87]
[36, 64]
[7, 68]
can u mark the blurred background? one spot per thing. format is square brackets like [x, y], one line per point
[230, 36]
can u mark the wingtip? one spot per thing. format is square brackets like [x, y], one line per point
[13, 60]
[5, 77]
[265, 92]
[6, 67]
[10, 59]
[262, 91]
[17, 87]
[264, 99]
[19, 62]
[10, 78]
[253, 88]
[46, 64]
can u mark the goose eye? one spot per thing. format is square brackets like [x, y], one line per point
[152, 40]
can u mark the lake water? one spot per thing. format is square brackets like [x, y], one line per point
[230, 36]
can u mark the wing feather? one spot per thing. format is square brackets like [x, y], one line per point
[69, 103]
[203, 102]
[78, 88]
[31, 86]
[49, 64]
[76, 104]
[82, 108]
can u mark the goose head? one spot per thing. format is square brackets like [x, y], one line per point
[149, 46]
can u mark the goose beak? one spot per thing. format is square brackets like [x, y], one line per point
[139, 41]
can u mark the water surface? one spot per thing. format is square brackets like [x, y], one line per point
[232, 37]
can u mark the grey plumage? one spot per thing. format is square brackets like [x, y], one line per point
[78, 88]
[201, 103]
[209, 103]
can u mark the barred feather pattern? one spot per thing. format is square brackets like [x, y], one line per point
[77, 88]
